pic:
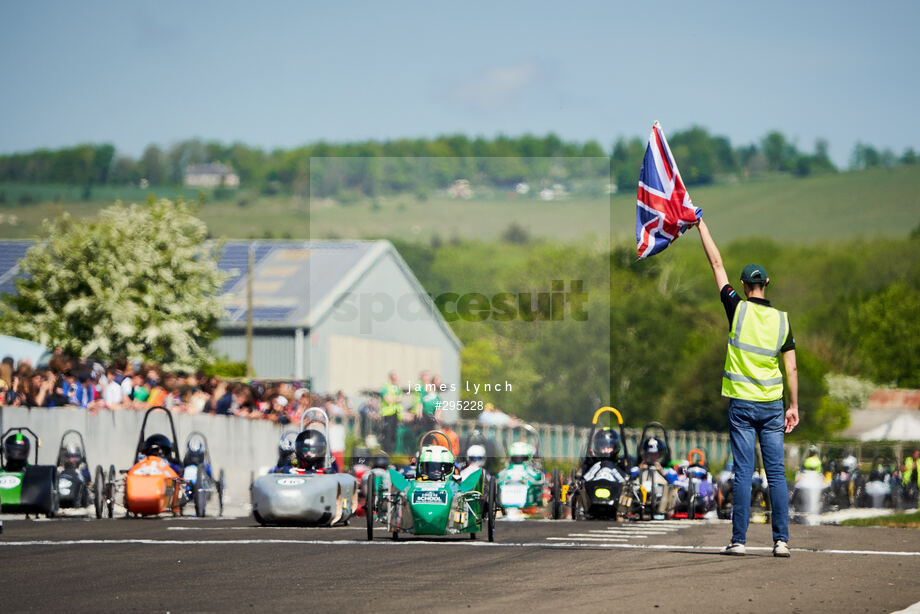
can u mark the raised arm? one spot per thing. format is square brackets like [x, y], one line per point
[712, 253]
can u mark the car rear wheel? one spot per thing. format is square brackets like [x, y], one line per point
[557, 495]
[369, 504]
[99, 491]
[110, 492]
[200, 492]
[220, 493]
[493, 490]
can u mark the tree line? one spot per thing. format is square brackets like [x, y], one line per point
[366, 169]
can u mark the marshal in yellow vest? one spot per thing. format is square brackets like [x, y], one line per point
[752, 361]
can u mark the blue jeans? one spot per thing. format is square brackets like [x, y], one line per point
[766, 420]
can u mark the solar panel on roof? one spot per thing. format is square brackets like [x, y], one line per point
[263, 314]
[10, 254]
[235, 257]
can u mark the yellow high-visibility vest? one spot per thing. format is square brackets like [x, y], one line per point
[389, 409]
[752, 361]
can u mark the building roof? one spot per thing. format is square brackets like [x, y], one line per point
[296, 284]
[895, 398]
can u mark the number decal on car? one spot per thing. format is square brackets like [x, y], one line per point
[9, 481]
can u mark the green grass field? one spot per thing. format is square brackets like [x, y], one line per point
[906, 520]
[867, 204]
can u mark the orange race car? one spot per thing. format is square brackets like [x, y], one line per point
[154, 484]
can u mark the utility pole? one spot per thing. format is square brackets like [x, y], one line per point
[251, 267]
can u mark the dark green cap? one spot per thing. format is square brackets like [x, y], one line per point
[754, 274]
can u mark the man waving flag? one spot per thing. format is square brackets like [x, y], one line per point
[664, 209]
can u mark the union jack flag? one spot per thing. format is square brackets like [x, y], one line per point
[664, 209]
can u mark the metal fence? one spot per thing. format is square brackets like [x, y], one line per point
[567, 441]
[558, 441]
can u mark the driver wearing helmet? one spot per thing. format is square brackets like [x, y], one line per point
[651, 453]
[196, 454]
[73, 459]
[849, 463]
[160, 446]
[435, 463]
[310, 453]
[521, 453]
[16, 452]
[286, 458]
[603, 463]
[476, 455]
[475, 459]
[812, 461]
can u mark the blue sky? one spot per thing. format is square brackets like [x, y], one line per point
[280, 74]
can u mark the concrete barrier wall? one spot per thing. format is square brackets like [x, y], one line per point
[240, 447]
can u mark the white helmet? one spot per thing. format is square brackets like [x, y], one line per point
[849, 463]
[476, 455]
[520, 452]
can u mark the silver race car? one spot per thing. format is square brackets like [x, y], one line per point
[305, 486]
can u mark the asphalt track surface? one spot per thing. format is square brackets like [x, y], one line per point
[233, 565]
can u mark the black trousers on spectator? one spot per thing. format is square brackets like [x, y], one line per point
[428, 423]
[388, 438]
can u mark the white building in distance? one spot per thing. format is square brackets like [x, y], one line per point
[211, 175]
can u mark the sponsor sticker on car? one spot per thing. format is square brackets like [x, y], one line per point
[514, 495]
[437, 497]
[9, 481]
[290, 481]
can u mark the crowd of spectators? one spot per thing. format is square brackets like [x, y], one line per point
[123, 386]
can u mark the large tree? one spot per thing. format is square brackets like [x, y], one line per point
[888, 335]
[140, 281]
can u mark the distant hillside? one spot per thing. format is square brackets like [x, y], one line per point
[876, 202]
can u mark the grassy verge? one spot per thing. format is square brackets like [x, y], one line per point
[906, 520]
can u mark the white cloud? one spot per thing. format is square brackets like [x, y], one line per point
[496, 87]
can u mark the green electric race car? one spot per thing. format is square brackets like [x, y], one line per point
[521, 484]
[24, 488]
[436, 502]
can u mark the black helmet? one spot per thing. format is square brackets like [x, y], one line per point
[16, 450]
[73, 456]
[380, 460]
[157, 445]
[194, 454]
[310, 448]
[606, 444]
[652, 446]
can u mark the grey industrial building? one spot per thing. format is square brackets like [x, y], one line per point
[342, 313]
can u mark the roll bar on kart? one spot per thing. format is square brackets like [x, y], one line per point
[534, 436]
[434, 434]
[667, 443]
[589, 449]
[175, 438]
[62, 450]
[698, 454]
[19, 429]
[304, 423]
